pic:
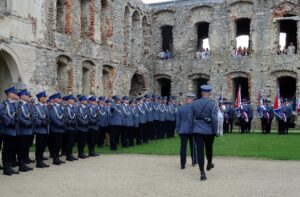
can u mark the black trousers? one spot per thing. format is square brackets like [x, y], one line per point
[141, 133]
[56, 144]
[248, 126]
[281, 127]
[266, 125]
[124, 136]
[101, 136]
[41, 141]
[156, 128]
[9, 145]
[114, 136]
[243, 125]
[136, 134]
[230, 125]
[173, 127]
[287, 125]
[81, 138]
[1, 140]
[70, 142]
[161, 131]
[131, 133]
[150, 131]
[23, 145]
[92, 134]
[226, 126]
[201, 142]
[184, 138]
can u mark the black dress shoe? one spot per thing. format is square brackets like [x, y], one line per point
[202, 176]
[93, 154]
[210, 166]
[14, 171]
[56, 163]
[1, 168]
[23, 169]
[45, 158]
[82, 156]
[28, 168]
[69, 159]
[182, 167]
[60, 161]
[30, 160]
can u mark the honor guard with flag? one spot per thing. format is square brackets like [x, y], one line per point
[203, 119]
[40, 118]
[280, 115]
[184, 129]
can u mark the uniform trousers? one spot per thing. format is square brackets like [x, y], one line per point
[243, 125]
[266, 125]
[156, 128]
[173, 127]
[168, 128]
[130, 134]
[161, 132]
[287, 125]
[281, 127]
[124, 136]
[23, 145]
[226, 126]
[92, 134]
[248, 126]
[141, 132]
[9, 144]
[70, 141]
[184, 138]
[56, 144]
[147, 132]
[101, 136]
[41, 141]
[231, 125]
[114, 130]
[82, 138]
[1, 140]
[201, 142]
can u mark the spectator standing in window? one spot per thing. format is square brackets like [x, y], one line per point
[199, 54]
[162, 54]
[239, 51]
[279, 52]
[168, 54]
[233, 52]
[284, 51]
[291, 49]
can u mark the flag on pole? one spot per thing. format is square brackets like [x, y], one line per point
[298, 107]
[238, 102]
[277, 105]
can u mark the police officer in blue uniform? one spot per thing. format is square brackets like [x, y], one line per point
[135, 122]
[184, 129]
[148, 134]
[161, 118]
[288, 111]
[103, 123]
[24, 130]
[203, 119]
[82, 126]
[93, 124]
[155, 109]
[57, 127]
[116, 125]
[9, 130]
[70, 119]
[142, 121]
[40, 119]
[126, 121]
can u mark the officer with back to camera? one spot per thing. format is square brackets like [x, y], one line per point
[203, 119]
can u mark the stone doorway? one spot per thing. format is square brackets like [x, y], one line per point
[108, 75]
[9, 73]
[164, 86]
[64, 75]
[242, 82]
[287, 86]
[138, 85]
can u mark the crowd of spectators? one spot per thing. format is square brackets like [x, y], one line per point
[165, 54]
[241, 52]
[202, 54]
[290, 50]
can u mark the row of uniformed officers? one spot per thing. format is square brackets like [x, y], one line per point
[59, 123]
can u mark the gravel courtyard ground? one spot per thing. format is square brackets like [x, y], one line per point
[143, 176]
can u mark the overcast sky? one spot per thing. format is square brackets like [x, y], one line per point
[155, 1]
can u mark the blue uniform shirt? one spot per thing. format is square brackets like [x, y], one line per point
[182, 120]
[40, 119]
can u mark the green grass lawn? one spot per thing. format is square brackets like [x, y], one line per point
[256, 145]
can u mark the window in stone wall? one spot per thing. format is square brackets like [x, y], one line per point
[84, 16]
[242, 82]
[202, 35]
[60, 16]
[288, 36]
[243, 39]
[167, 37]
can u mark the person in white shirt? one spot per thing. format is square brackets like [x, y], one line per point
[220, 119]
[198, 55]
[291, 49]
[162, 54]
